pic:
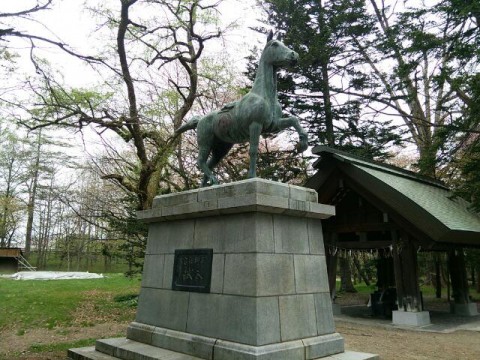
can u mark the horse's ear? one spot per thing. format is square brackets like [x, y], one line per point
[270, 36]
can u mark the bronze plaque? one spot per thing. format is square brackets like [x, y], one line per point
[192, 270]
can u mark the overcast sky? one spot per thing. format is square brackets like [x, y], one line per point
[70, 23]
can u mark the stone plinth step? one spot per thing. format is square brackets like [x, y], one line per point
[88, 353]
[352, 355]
[122, 348]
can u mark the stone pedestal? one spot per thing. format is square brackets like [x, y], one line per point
[469, 309]
[410, 318]
[337, 309]
[267, 297]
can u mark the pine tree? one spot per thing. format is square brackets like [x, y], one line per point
[324, 34]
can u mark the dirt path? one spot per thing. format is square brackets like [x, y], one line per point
[14, 346]
[388, 343]
[399, 344]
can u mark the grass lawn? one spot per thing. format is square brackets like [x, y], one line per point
[42, 319]
[60, 305]
[26, 304]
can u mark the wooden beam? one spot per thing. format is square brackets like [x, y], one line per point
[425, 241]
[331, 226]
[358, 245]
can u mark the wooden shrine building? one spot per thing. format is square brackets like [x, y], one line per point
[386, 208]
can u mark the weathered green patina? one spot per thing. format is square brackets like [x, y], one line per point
[257, 113]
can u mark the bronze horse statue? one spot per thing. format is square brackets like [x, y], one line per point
[258, 112]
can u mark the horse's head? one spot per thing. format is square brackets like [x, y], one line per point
[277, 54]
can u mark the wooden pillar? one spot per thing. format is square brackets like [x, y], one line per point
[458, 276]
[406, 273]
[438, 278]
[331, 259]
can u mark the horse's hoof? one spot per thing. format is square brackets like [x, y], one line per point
[301, 147]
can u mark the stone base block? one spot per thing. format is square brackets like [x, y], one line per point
[121, 348]
[337, 309]
[408, 318]
[352, 355]
[204, 347]
[469, 309]
[125, 349]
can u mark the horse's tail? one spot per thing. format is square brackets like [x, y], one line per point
[189, 125]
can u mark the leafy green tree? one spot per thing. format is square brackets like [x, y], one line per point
[324, 34]
[414, 72]
[463, 77]
[13, 156]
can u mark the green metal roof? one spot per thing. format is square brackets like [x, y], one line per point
[426, 203]
[437, 201]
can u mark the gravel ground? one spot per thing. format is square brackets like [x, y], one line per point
[455, 338]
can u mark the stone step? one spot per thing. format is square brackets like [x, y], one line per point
[122, 348]
[88, 353]
[352, 355]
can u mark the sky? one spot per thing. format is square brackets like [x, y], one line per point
[68, 21]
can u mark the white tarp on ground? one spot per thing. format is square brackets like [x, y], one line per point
[53, 275]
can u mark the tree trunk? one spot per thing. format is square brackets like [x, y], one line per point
[31, 198]
[6, 209]
[325, 85]
[361, 272]
[346, 284]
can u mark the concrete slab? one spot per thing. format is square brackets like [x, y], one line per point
[420, 318]
[352, 355]
[469, 309]
[442, 321]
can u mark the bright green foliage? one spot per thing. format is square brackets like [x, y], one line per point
[13, 175]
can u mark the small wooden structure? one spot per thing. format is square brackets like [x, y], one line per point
[12, 261]
[397, 212]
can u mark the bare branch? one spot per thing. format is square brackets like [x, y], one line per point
[28, 11]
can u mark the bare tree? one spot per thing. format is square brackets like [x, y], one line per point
[173, 49]
[411, 67]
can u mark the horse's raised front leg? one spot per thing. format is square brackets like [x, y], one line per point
[255, 131]
[292, 121]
